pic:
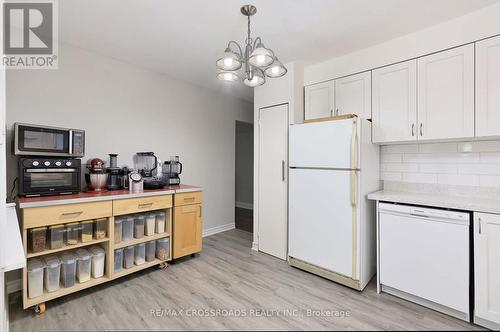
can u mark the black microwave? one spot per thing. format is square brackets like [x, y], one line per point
[35, 140]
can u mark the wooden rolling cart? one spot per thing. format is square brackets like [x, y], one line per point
[42, 216]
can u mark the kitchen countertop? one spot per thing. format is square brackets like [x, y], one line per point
[468, 203]
[84, 197]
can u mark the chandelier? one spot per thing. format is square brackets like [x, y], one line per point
[257, 60]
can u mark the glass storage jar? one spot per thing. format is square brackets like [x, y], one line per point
[118, 229]
[100, 228]
[98, 258]
[68, 269]
[35, 278]
[118, 259]
[162, 249]
[83, 265]
[128, 257]
[86, 230]
[72, 232]
[38, 239]
[139, 226]
[140, 254]
[160, 222]
[128, 228]
[52, 273]
[149, 224]
[150, 251]
[56, 236]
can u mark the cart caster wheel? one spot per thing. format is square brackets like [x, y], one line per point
[40, 308]
[163, 266]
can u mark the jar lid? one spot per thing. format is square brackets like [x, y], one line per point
[83, 254]
[97, 251]
[162, 239]
[118, 250]
[56, 226]
[52, 261]
[140, 245]
[118, 220]
[129, 247]
[38, 229]
[35, 265]
[140, 216]
[68, 258]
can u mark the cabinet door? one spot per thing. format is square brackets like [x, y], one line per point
[187, 230]
[446, 94]
[487, 270]
[395, 103]
[488, 87]
[318, 100]
[353, 95]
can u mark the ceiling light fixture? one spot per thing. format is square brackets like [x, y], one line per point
[257, 60]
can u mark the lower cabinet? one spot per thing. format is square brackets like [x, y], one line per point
[187, 227]
[487, 270]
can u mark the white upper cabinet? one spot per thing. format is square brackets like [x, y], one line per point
[445, 94]
[394, 103]
[488, 87]
[319, 100]
[353, 95]
[487, 270]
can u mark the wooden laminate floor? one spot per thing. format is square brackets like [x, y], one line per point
[245, 289]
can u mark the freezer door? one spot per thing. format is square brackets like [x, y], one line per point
[321, 218]
[328, 144]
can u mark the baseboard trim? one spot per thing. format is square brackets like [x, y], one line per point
[243, 205]
[218, 229]
[255, 246]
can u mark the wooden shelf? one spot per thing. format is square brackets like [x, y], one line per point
[132, 242]
[136, 268]
[63, 291]
[67, 247]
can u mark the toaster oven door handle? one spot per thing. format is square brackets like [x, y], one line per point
[70, 143]
[51, 170]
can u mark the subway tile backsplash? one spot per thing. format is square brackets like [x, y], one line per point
[462, 164]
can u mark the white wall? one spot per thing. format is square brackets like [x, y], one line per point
[465, 29]
[126, 109]
[244, 165]
[466, 163]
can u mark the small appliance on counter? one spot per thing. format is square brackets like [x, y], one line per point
[45, 176]
[114, 181]
[96, 177]
[136, 182]
[171, 170]
[148, 165]
[125, 174]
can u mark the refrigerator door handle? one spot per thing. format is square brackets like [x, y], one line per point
[283, 170]
[354, 188]
[354, 144]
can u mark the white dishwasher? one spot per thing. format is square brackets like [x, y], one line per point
[424, 256]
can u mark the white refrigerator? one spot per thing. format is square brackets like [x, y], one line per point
[333, 166]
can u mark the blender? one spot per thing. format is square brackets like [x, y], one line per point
[149, 166]
[171, 171]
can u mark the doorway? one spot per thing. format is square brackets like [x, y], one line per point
[244, 176]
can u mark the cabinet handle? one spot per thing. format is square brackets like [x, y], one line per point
[282, 170]
[144, 205]
[188, 199]
[67, 214]
[412, 129]
[421, 129]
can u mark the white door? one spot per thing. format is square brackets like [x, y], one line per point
[353, 95]
[273, 165]
[321, 221]
[488, 87]
[487, 269]
[326, 144]
[394, 104]
[318, 99]
[445, 93]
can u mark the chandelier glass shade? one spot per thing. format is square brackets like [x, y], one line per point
[256, 60]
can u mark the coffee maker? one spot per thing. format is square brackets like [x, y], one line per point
[171, 170]
[114, 173]
[148, 165]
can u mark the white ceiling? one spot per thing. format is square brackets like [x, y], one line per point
[184, 38]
